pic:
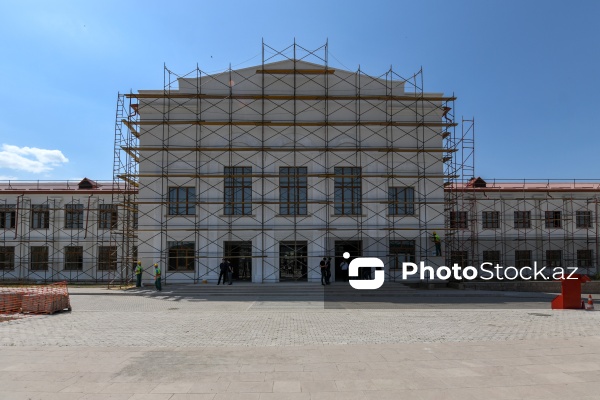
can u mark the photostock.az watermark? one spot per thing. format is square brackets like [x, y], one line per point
[365, 262]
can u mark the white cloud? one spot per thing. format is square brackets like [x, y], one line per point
[30, 159]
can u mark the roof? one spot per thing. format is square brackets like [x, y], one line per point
[525, 185]
[85, 186]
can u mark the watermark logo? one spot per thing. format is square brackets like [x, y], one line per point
[365, 262]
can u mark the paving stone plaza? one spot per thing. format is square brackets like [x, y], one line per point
[286, 342]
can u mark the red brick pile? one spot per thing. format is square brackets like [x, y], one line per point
[38, 299]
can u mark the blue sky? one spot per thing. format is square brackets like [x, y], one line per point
[526, 71]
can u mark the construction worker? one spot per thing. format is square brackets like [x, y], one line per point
[438, 244]
[157, 277]
[138, 274]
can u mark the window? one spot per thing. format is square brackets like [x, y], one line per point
[553, 258]
[459, 257]
[492, 256]
[522, 219]
[347, 191]
[135, 216]
[74, 216]
[107, 216]
[73, 258]
[182, 201]
[552, 219]
[491, 219]
[293, 260]
[107, 258]
[583, 219]
[584, 258]
[458, 220]
[40, 216]
[7, 257]
[181, 256]
[401, 201]
[292, 190]
[39, 258]
[401, 251]
[522, 258]
[238, 191]
[8, 214]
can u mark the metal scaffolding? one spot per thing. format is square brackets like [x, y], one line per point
[205, 130]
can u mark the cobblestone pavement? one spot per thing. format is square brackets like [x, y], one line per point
[215, 345]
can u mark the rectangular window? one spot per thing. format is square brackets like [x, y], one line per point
[492, 256]
[73, 258]
[553, 219]
[7, 258]
[401, 201]
[107, 216]
[135, 216]
[107, 258]
[553, 258]
[40, 216]
[583, 219]
[181, 256]
[490, 219]
[238, 191]
[401, 251]
[39, 258]
[74, 216]
[182, 200]
[293, 190]
[347, 191]
[459, 220]
[522, 258]
[522, 219]
[459, 257]
[584, 259]
[8, 214]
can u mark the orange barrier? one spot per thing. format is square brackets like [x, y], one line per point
[38, 299]
[570, 297]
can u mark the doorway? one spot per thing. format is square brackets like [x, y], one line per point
[354, 247]
[293, 261]
[239, 255]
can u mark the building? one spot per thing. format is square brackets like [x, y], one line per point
[54, 231]
[517, 223]
[279, 165]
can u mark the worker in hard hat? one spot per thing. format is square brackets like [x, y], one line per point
[138, 274]
[157, 277]
[438, 244]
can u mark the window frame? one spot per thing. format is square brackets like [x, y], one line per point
[400, 251]
[293, 190]
[181, 200]
[38, 259]
[401, 200]
[520, 261]
[347, 191]
[553, 219]
[587, 261]
[174, 259]
[554, 258]
[7, 258]
[237, 193]
[74, 216]
[583, 219]
[522, 220]
[462, 222]
[40, 216]
[108, 216]
[75, 252]
[8, 216]
[107, 258]
[490, 219]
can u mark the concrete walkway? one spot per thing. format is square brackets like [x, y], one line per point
[181, 344]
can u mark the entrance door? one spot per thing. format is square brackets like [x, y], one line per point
[292, 261]
[354, 247]
[239, 255]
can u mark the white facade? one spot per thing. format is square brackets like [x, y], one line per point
[519, 223]
[291, 115]
[53, 231]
